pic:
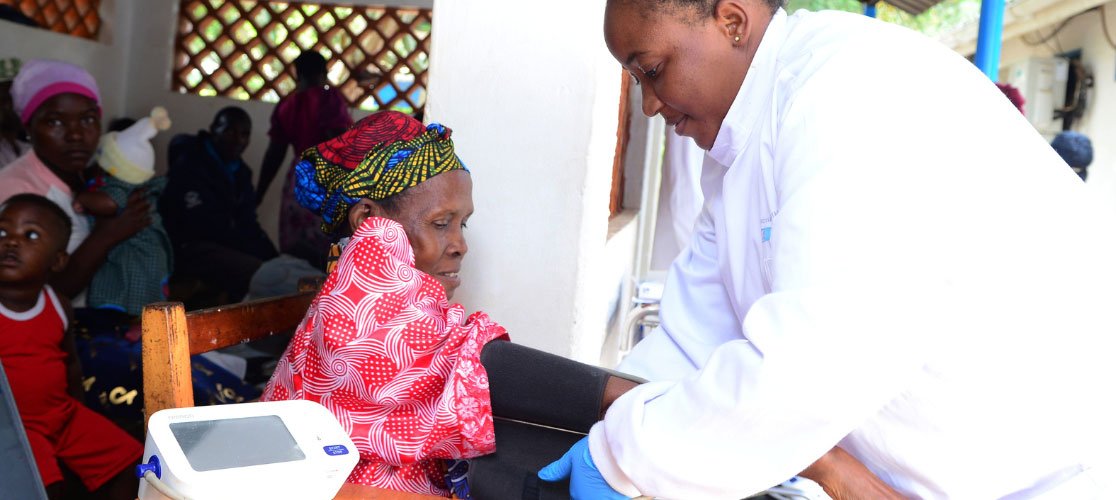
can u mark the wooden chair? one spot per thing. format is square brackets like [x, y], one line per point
[171, 336]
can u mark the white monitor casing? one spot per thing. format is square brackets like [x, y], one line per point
[234, 470]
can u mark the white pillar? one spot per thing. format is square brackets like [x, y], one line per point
[532, 96]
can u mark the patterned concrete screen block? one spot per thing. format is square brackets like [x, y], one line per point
[376, 56]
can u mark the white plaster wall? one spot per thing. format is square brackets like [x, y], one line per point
[1099, 123]
[532, 96]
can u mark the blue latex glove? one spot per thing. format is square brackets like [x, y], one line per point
[586, 481]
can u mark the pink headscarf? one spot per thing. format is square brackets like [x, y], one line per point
[41, 79]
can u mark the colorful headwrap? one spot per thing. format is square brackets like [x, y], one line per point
[381, 156]
[41, 79]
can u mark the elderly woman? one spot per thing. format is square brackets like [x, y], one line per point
[400, 366]
[381, 346]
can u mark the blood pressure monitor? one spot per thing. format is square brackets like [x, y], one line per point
[276, 449]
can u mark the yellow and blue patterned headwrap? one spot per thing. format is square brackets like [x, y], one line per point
[381, 156]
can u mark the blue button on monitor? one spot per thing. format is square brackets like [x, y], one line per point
[336, 449]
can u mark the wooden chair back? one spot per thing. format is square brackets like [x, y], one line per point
[171, 335]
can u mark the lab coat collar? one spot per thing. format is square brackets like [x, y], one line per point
[754, 95]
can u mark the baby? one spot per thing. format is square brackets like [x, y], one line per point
[135, 272]
[37, 351]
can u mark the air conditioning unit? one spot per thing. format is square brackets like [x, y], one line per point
[1042, 81]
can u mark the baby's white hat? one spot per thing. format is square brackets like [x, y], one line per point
[127, 154]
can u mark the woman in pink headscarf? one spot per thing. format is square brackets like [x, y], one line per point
[60, 107]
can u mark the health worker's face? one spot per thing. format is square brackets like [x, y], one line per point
[688, 64]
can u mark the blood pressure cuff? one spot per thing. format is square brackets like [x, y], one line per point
[512, 472]
[533, 386]
[542, 404]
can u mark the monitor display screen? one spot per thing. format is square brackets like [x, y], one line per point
[236, 442]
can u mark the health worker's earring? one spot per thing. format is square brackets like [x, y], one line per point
[736, 40]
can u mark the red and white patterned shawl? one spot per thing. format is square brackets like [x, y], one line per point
[399, 366]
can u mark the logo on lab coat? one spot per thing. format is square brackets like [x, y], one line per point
[765, 225]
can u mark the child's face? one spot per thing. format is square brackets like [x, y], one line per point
[30, 246]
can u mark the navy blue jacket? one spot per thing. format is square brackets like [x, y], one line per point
[202, 202]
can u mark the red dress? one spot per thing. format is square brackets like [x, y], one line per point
[399, 366]
[59, 427]
[304, 119]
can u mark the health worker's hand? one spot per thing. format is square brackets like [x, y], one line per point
[586, 481]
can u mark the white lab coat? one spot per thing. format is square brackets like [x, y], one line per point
[892, 259]
[680, 199]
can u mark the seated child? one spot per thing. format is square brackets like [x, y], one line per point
[37, 352]
[135, 272]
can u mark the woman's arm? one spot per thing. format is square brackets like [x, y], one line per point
[107, 233]
[614, 388]
[514, 370]
[841, 475]
[96, 203]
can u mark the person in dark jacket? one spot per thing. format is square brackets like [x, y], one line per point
[209, 209]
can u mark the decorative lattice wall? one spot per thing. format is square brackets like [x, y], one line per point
[377, 56]
[72, 17]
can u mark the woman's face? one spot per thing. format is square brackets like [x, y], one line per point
[685, 62]
[434, 215]
[64, 132]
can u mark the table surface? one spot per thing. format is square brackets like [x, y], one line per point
[356, 491]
